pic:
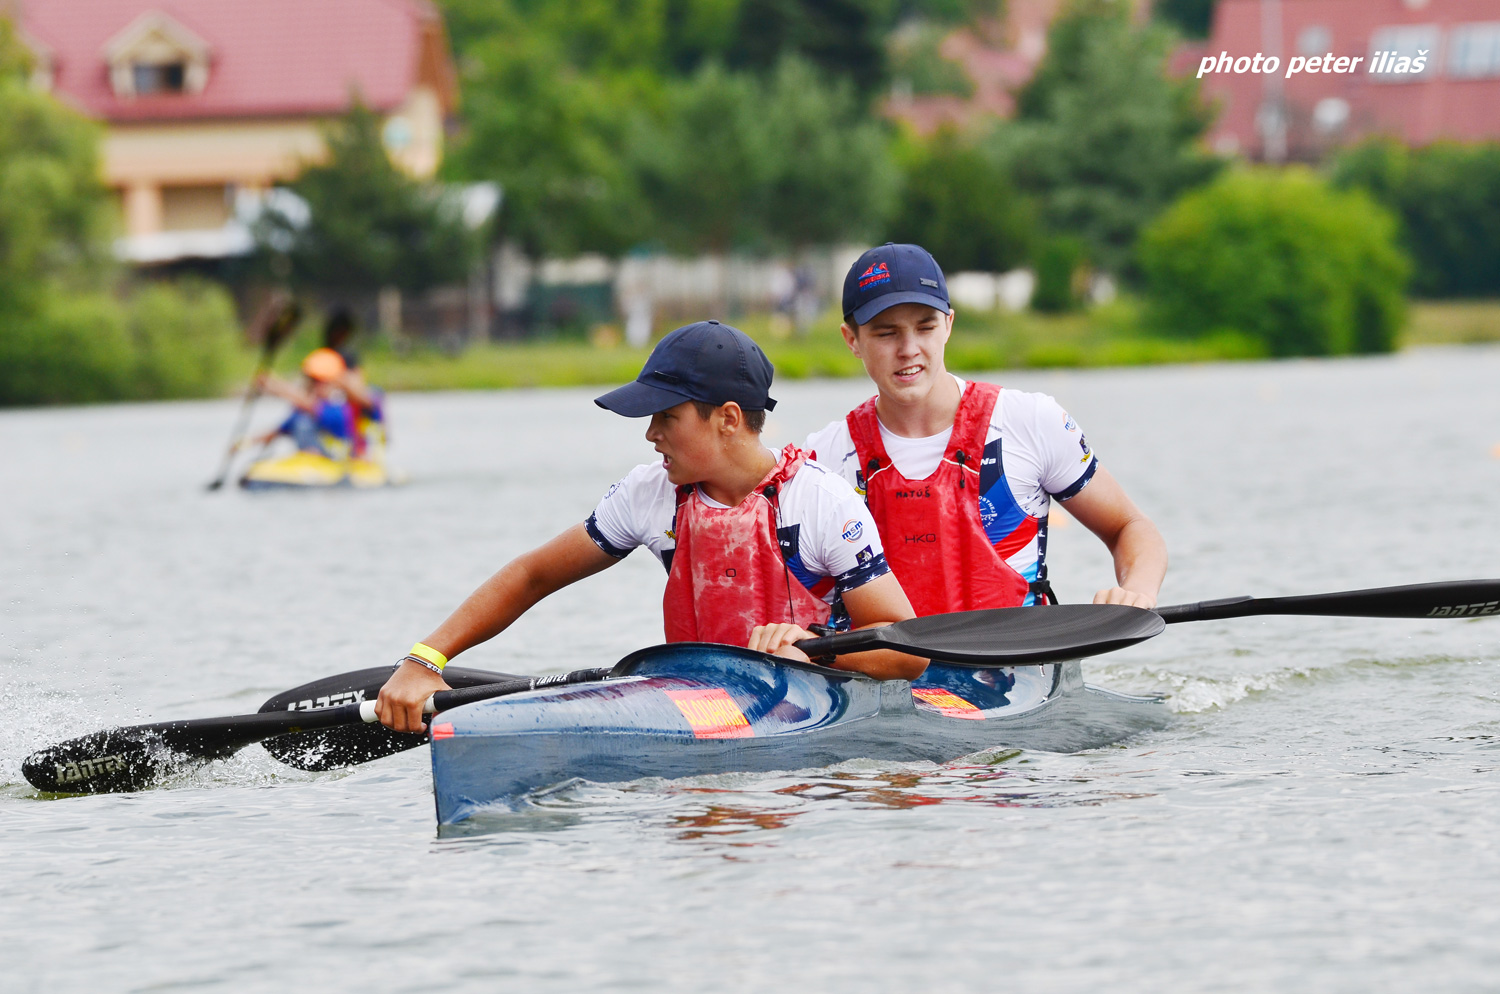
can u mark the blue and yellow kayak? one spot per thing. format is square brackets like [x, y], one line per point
[693, 708]
[312, 470]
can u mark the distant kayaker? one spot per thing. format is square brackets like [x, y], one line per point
[321, 418]
[960, 475]
[759, 546]
[368, 401]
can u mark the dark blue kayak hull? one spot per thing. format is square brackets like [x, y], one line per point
[690, 709]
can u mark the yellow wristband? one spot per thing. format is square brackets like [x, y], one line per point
[424, 651]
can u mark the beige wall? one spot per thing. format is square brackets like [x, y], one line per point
[168, 173]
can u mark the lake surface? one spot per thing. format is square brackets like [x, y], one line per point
[1323, 814]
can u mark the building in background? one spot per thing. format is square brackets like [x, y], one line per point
[209, 103]
[1272, 118]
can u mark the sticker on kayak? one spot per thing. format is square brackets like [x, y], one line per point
[946, 702]
[712, 713]
[443, 731]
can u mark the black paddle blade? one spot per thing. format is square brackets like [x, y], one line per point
[346, 745]
[137, 757]
[1008, 636]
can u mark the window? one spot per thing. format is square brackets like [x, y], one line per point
[1394, 49]
[167, 78]
[1474, 51]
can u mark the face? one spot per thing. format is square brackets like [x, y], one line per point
[902, 349]
[690, 445]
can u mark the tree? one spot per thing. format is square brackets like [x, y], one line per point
[842, 37]
[962, 207]
[1281, 257]
[1447, 196]
[735, 161]
[1105, 139]
[368, 225]
[1194, 18]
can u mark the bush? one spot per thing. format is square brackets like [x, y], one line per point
[1281, 257]
[1060, 263]
[81, 348]
[184, 339]
[1447, 196]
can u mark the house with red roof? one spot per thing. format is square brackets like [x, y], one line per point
[1341, 76]
[207, 104]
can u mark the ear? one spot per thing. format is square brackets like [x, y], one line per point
[731, 417]
[851, 337]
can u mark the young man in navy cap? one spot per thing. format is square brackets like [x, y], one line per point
[758, 545]
[960, 475]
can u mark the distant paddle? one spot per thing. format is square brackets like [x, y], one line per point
[278, 318]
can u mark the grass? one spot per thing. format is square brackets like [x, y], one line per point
[1105, 336]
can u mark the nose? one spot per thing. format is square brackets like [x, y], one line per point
[653, 429]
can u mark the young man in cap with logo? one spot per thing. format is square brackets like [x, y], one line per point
[758, 546]
[960, 475]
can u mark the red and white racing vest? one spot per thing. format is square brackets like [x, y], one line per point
[728, 574]
[934, 537]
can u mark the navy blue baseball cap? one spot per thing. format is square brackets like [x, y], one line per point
[890, 275]
[707, 361]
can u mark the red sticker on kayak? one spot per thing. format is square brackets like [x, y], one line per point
[946, 702]
[712, 713]
[443, 731]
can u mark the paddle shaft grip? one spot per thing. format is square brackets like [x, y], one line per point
[443, 700]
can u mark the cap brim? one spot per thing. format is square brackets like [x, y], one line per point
[639, 400]
[874, 307]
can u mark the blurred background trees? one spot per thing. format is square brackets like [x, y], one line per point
[69, 329]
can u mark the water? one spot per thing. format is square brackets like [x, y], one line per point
[1322, 815]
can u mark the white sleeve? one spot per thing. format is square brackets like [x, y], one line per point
[834, 450]
[621, 522]
[1066, 461]
[845, 544]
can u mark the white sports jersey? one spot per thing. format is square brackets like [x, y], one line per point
[1033, 452]
[827, 535]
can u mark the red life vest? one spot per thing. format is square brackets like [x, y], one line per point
[728, 573]
[934, 538]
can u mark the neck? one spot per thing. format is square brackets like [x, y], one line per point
[919, 417]
[745, 465]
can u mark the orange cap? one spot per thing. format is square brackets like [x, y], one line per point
[323, 364]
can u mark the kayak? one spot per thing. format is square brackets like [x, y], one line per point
[693, 708]
[311, 470]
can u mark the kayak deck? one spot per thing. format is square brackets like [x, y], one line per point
[310, 470]
[690, 709]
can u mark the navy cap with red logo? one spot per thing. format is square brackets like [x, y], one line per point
[707, 361]
[893, 274]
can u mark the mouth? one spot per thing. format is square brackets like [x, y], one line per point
[909, 373]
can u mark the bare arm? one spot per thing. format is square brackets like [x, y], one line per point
[290, 392]
[1139, 552]
[879, 602]
[487, 612]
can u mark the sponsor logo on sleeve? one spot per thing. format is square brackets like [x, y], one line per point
[1083, 443]
[853, 529]
[1069, 424]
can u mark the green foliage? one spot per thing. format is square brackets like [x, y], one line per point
[1059, 264]
[960, 205]
[184, 337]
[1280, 257]
[739, 161]
[371, 225]
[1194, 18]
[1447, 196]
[918, 64]
[1105, 139]
[842, 37]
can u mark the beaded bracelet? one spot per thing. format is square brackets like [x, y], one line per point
[421, 662]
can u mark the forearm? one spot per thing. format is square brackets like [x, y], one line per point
[882, 664]
[1140, 557]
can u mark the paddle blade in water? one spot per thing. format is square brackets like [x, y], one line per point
[121, 759]
[337, 748]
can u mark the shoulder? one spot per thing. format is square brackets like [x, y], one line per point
[830, 444]
[646, 480]
[819, 478]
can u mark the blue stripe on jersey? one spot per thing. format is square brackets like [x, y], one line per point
[998, 510]
[1081, 482]
[592, 527]
[871, 566]
[1029, 575]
